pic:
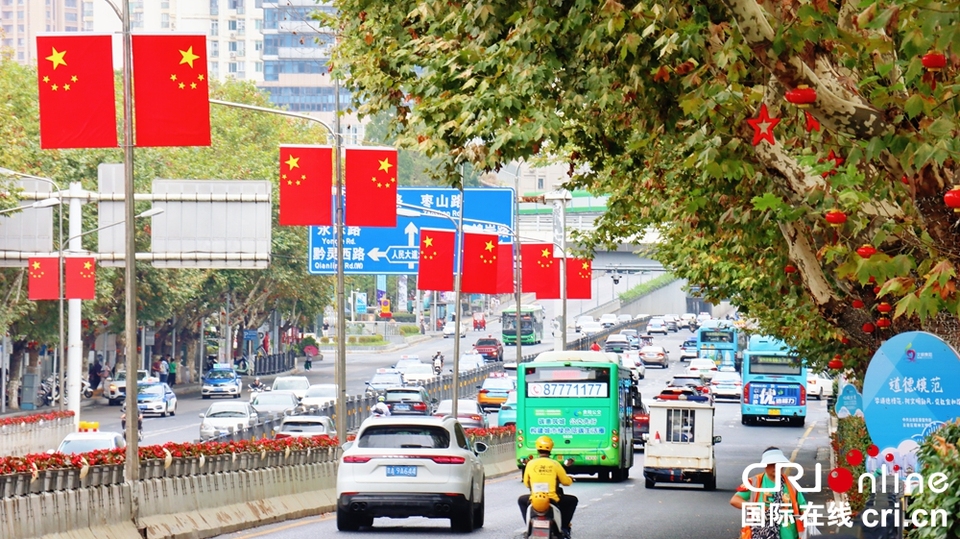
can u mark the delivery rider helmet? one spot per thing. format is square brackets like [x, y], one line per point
[540, 502]
[544, 443]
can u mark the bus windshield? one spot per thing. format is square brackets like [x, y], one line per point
[716, 337]
[782, 365]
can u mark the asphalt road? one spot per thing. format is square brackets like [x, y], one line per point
[185, 425]
[618, 510]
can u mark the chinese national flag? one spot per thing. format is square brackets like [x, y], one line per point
[77, 104]
[505, 272]
[435, 271]
[44, 278]
[479, 272]
[306, 178]
[541, 272]
[579, 278]
[172, 106]
[371, 184]
[80, 278]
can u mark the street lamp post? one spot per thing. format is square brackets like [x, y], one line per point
[516, 259]
[560, 199]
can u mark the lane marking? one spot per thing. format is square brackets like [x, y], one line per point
[793, 456]
[605, 494]
[594, 499]
[289, 526]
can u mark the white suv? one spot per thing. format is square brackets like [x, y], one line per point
[411, 466]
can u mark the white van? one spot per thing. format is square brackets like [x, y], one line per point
[681, 440]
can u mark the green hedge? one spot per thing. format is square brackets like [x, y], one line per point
[366, 340]
[938, 454]
[408, 329]
[647, 287]
[852, 434]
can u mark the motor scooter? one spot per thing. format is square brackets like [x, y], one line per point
[546, 524]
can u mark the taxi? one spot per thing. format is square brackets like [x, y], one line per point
[383, 379]
[495, 390]
[221, 381]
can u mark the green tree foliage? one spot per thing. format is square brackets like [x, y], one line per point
[648, 101]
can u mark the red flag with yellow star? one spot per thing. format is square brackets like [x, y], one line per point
[306, 180]
[77, 97]
[371, 187]
[81, 278]
[44, 279]
[170, 90]
[479, 272]
[505, 273]
[540, 271]
[435, 271]
[579, 278]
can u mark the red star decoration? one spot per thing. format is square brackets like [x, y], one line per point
[763, 126]
[812, 123]
[837, 161]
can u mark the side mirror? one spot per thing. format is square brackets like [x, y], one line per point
[434, 401]
[479, 447]
[716, 439]
[479, 387]
[366, 383]
[201, 416]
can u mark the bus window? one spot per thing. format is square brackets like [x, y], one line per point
[716, 337]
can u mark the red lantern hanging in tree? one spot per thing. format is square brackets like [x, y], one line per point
[857, 304]
[876, 290]
[868, 327]
[844, 340]
[884, 307]
[883, 322]
[866, 251]
[835, 217]
[952, 199]
[802, 96]
[789, 269]
[934, 61]
[836, 363]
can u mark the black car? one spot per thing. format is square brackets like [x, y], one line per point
[617, 343]
[409, 401]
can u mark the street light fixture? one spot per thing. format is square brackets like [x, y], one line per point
[516, 257]
[560, 199]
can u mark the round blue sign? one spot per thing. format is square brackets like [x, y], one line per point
[911, 389]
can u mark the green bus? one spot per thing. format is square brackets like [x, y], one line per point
[584, 401]
[531, 324]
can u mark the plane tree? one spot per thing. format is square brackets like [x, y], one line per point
[768, 142]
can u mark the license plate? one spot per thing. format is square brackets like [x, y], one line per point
[220, 389]
[401, 406]
[142, 406]
[541, 524]
[774, 411]
[401, 471]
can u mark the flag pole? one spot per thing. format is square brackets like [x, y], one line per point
[131, 463]
[340, 367]
[456, 302]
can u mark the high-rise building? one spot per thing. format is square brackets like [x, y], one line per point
[22, 20]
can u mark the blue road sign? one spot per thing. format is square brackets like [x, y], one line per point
[395, 251]
[361, 303]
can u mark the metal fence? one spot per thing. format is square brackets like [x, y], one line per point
[275, 363]
[358, 406]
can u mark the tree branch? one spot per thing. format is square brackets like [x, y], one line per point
[804, 254]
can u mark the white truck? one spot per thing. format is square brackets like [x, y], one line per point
[679, 447]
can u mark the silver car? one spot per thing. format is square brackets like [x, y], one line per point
[469, 413]
[221, 416]
[304, 426]
[298, 384]
[275, 402]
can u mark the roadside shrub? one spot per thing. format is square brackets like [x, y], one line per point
[352, 339]
[852, 434]
[408, 329]
[938, 454]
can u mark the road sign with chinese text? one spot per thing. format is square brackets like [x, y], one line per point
[395, 251]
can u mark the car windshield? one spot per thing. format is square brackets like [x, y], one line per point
[692, 343]
[154, 390]
[290, 383]
[701, 364]
[486, 342]
[404, 437]
[420, 368]
[273, 398]
[498, 384]
[386, 379]
[617, 338]
[313, 427]
[224, 413]
[463, 407]
[726, 377]
[628, 332]
[323, 392]
[85, 445]
[397, 396]
[651, 350]
[680, 381]
[221, 375]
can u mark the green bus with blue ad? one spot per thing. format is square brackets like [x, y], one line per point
[583, 400]
[774, 383]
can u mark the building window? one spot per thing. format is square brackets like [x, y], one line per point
[214, 28]
[232, 26]
[232, 46]
[164, 20]
[241, 26]
[258, 24]
[7, 3]
[680, 425]
[67, 28]
[214, 7]
[70, 17]
[258, 67]
[215, 68]
[70, 3]
[164, 5]
[232, 67]
[540, 183]
[214, 49]
[258, 45]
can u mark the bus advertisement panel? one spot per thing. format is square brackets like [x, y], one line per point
[585, 407]
[531, 325]
[774, 383]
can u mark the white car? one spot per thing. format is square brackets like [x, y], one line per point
[418, 374]
[819, 385]
[702, 366]
[406, 362]
[223, 415]
[298, 384]
[115, 389]
[305, 426]
[608, 320]
[624, 318]
[655, 354]
[687, 320]
[581, 320]
[318, 396]
[471, 362]
[411, 467]
[726, 385]
[631, 360]
[591, 328]
[83, 442]
[450, 328]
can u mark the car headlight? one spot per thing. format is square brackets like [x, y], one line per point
[113, 387]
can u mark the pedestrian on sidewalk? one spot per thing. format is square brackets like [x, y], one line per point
[94, 374]
[155, 369]
[172, 373]
[788, 500]
[595, 346]
[164, 370]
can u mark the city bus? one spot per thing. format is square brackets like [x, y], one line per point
[774, 383]
[584, 401]
[531, 324]
[719, 341]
